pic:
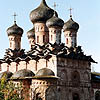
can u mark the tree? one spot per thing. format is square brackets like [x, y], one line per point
[8, 91]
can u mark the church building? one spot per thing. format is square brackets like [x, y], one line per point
[51, 70]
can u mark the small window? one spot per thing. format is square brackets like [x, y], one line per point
[41, 28]
[67, 41]
[54, 31]
[51, 37]
[11, 39]
[43, 38]
[10, 44]
[37, 39]
[18, 44]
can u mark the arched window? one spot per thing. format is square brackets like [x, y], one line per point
[76, 78]
[97, 95]
[76, 96]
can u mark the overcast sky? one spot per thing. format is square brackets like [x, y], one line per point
[85, 12]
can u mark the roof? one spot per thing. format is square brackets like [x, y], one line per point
[31, 33]
[55, 21]
[71, 24]
[41, 13]
[45, 72]
[22, 74]
[14, 30]
[6, 74]
[44, 52]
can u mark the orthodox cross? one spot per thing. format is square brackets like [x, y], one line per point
[55, 5]
[70, 12]
[15, 15]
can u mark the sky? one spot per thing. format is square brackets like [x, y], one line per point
[85, 12]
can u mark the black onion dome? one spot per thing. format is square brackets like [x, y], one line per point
[6, 74]
[31, 33]
[45, 72]
[42, 13]
[23, 74]
[14, 30]
[70, 24]
[55, 21]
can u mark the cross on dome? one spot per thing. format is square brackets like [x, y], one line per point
[70, 12]
[55, 5]
[15, 15]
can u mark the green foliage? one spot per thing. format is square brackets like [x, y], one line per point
[8, 91]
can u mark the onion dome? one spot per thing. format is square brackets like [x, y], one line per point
[6, 74]
[42, 13]
[31, 33]
[55, 21]
[45, 72]
[70, 24]
[24, 73]
[14, 30]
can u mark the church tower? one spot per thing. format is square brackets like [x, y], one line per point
[70, 31]
[55, 25]
[39, 16]
[15, 33]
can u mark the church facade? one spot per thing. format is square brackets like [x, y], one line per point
[51, 70]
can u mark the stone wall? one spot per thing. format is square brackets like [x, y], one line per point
[75, 76]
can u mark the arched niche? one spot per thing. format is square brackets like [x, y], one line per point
[75, 96]
[38, 93]
[86, 76]
[97, 95]
[75, 78]
[63, 76]
[51, 94]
